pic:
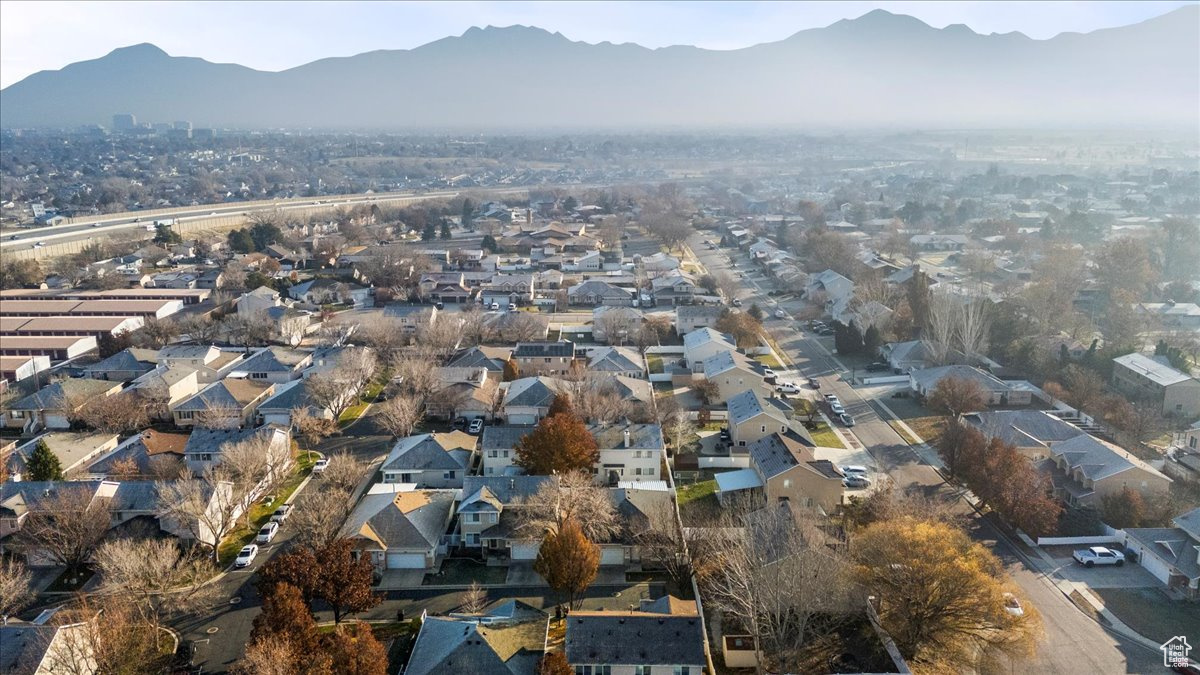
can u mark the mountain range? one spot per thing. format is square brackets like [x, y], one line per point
[880, 70]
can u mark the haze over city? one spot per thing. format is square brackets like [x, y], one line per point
[589, 338]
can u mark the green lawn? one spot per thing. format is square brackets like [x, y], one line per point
[698, 502]
[368, 394]
[825, 437]
[461, 572]
[654, 363]
[695, 491]
[260, 513]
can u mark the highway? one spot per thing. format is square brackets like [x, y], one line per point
[1073, 642]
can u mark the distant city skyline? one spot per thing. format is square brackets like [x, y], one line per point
[276, 36]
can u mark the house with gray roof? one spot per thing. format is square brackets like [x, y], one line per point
[73, 450]
[528, 399]
[124, 366]
[544, 358]
[490, 358]
[999, 392]
[751, 417]
[1085, 469]
[1141, 377]
[290, 396]
[594, 293]
[689, 318]
[401, 529]
[734, 373]
[1171, 554]
[621, 641]
[787, 471]
[497, 449]
[617, 361]
[487, 515]
[437, 460]
[704, 343]
[273, 364]
[628, 451]
[52, 406]
[616, 325]
[1030, 431]
[494, 643]
[45, 649]
[205, 445]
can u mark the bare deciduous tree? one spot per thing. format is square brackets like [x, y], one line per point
[474, 599]
[205, 506]
[66, 526]
[574, 495]
[398, 415]
[319, 523]
[416, 377]
[15, 590]
[345, 471]
[122, 413]
[200, 329]
[312, 427]
[218, 416]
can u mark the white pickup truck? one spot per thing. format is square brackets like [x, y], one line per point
[1099, 555]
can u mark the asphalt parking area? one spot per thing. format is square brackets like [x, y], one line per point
[1129, 575]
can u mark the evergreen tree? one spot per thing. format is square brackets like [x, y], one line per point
[446, 230]
[755, 312]
[43, 464]
[468, 215]
[429, 233]
[488, 243]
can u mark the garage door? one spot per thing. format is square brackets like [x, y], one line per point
[522, 419]
[525, 551]
[405, 561]
[1153, 565]
[612, 555]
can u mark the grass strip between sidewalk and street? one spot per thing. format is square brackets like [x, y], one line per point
[260, 513]
[826, 437]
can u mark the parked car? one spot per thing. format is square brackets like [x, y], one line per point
[266, 533]
[780, 314]
[321, 465]
[846, 419]
[1099, 555]
[736, 302]
[856, 481]
[439, 305]
[787, 388]
[245, 556]
[494, 306]
[476, 427]
[877, 367]
[812, 382]
[853, 468]
[1012, 605]
[837, 409]
[282, 513]
[460, 423]
[512, 306]
[832, 398]
[769, 372]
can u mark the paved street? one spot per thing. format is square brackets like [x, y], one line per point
[1073, 643]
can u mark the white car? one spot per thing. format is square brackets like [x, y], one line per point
[837, 409]
[780, 314]
[321, 465]
[856, 481]
[768, 371]
[267, 533]
[853, 468]
[787, 388]
[476, 427]
[1012, 606]
[494, 306]
[246, 556]
[512, 307]
[1099, 555]
[281, 514]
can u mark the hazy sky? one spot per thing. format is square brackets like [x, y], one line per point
[278, 35]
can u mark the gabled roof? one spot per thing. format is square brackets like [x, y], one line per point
[532, 392]
[777, 453]
[542, 349]
[235, 393]
[504, 489]
[1096, 459]
[1173, 545]
[625, 638]
[615, 360]
[705, 336]
[928, 378]
[453, 646]
[430, 452]
[1189, 522]
[492, 358]
[274, 360]
[641, 436]
[289, 396]
[52, 395]
[1023, 428]
[746, 406]
[404, 520]
[501, 437]
[130, 359]
[727, 360]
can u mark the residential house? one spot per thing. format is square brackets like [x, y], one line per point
[497, 449]
[785, 469]
[1032, 432]
[153, 452]
[165, 387]
[616, 325]
[751, 418]
[1172, 314]
[491, 359]
[1170, 554]
[594, 293]
[397, 528]
[124, 366]
[830, 289]
[230, 401]
[25, 371]
[288, 325]
[253, 303]
[1085, 469]
[628, 451]
[658, 263]
[527, 400]
[544, 358]
[211, 364]
[905, 356]
[734, 373]
[510, 641]
[437, 460]
[277, 365]
[674, 288]
[411, 318]
[938, 242]
[52, 406]
[1153, 379]
[508, 288]
[689, 318]
[464, 392]
[287, 397]
[999, 392]
[325, 290]
[47, 649]
[617, 361]
[73, 450]
[700, 345]
[629, 642]
[488, 517]
[204, 447]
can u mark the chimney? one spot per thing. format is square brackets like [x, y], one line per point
[627, 438]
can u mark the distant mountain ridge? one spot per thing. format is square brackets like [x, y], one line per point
[880, 70]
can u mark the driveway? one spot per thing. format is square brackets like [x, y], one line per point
[1125, 576]
[392, 579]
